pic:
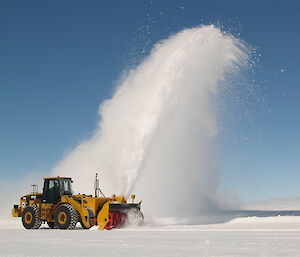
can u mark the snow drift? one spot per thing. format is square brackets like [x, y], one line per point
[156, 134]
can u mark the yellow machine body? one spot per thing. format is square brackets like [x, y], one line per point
[90, 210]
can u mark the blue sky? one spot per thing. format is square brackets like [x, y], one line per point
[60, 59]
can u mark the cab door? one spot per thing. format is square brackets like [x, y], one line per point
[51, 191]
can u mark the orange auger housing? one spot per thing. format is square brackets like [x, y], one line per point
[60, 208]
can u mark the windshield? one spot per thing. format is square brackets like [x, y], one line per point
[65, 187]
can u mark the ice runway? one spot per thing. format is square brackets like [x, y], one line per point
[253, 236]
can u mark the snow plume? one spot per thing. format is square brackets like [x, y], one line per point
[156, 134]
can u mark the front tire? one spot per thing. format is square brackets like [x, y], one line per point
[30, 218]
[66, 217]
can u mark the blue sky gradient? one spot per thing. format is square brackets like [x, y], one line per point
[60, 59]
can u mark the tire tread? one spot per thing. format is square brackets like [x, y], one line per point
[37, 221]
[73, 216]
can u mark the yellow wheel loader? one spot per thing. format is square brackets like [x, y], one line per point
[60, 208]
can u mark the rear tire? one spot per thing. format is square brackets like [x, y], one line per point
[30, 218]
[65, 217]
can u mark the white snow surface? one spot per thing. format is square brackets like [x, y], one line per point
[252, 236]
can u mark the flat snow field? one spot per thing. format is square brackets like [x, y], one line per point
[264, 236]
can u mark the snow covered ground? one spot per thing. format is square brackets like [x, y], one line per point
[252, 236]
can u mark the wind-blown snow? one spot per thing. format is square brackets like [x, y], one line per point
[156, 134]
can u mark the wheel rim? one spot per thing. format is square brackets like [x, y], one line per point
[28, 217]
[62, 218]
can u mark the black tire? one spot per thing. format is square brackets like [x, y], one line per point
[51, 225]
[65, 217]
[30, 218]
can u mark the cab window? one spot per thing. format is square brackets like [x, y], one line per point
[65, 187]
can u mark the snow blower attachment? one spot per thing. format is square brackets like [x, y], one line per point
[61, 209]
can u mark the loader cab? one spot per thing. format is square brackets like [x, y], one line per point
[55, 187]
